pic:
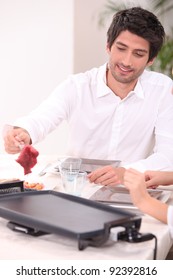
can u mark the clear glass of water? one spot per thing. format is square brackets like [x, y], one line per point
[69, 170]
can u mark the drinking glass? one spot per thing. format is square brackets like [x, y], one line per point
[69, 170]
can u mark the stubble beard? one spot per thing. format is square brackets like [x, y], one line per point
[121, 79]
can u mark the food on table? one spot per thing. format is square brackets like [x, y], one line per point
[35, 186]
[28, 158]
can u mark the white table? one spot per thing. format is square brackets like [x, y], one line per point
[15, 246]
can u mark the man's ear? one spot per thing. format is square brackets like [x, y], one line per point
[151, 62]
[108, 48]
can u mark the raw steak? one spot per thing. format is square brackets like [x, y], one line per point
[28, 158]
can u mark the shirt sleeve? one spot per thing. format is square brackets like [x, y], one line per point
[170, 219]
[162, 156]
[51, 112]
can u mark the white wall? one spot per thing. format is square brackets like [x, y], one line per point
[36, 39]
[89, 37]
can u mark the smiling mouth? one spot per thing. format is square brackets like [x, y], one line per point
[123, 69]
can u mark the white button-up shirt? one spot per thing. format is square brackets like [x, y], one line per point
[170, 219]
[138, 130]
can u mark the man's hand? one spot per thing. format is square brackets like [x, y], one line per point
[15, 138]
[107, 176]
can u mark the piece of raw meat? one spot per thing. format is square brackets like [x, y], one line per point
[28, 158]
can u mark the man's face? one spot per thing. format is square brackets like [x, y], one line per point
[128, 57]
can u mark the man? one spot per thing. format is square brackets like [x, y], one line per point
[117, 111]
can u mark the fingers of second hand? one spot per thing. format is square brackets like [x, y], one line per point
[19, 142]
[12, 142]
[100, 174]
[108, 181]
[110, 178]
[102, 178]
[95, 177]
[92, 176]
[12, 148]
[21, 146]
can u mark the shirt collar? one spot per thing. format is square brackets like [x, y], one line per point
[103, 89]
[138, 90]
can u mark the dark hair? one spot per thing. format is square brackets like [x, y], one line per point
[140, 22]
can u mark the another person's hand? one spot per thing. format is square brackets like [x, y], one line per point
[134, 181]
[156, 178]
[107, 176]
[15, 138]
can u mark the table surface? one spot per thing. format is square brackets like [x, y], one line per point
[15, 245]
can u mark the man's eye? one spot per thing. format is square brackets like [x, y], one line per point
[139, 54]
[121, 49]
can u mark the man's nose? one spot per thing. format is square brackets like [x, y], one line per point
[127, 60]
